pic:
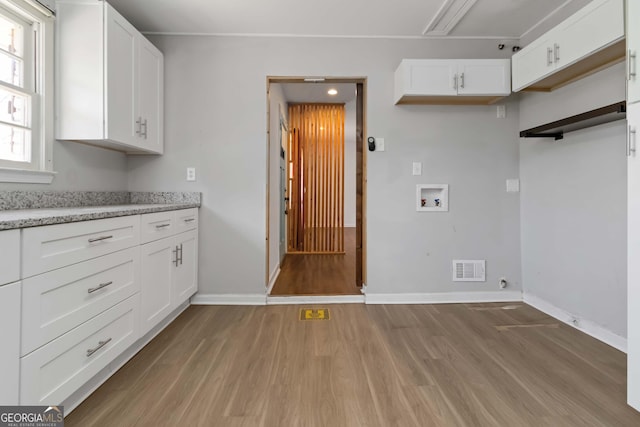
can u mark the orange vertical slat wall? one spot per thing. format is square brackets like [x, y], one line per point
[315, 223]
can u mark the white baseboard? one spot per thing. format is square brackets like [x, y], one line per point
[316, 299]
[272, 279]
[444, 297]
[229, 299]
[588, 327]
[73, 401]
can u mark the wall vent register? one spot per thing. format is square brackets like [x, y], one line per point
[469, 270]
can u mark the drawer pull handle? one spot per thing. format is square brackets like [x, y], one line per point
[100, 345]
[162, 226]
[189, 220]
[100, 239]
[100, 286]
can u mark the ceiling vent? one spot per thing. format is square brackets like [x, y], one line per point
[450, 13]
[469, 271]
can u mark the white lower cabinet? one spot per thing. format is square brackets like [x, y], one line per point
[56, 302]
[88, 292]
[185, 278]
[53, 372]
[157, 260]
[169, 276]
[633, 254]
[10, 348]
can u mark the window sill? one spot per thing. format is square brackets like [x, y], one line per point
[25, 176]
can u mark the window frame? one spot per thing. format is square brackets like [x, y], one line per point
[40, 169]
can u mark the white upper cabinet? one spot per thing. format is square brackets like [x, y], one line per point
[633, 43]
[109, 80]
[586, 42]
[121, 63]
[452, 81]
[150, 90]
[484, 77]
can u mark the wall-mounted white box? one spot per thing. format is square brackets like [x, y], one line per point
[432, 197]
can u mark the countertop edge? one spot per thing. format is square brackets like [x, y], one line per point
[64, 219]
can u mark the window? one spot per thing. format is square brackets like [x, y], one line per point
[26, 83]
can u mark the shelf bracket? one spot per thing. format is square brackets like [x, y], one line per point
[555, 135]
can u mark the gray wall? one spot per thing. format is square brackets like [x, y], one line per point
[82, 168]
[216, 121]
[573, 204]
[350, 164]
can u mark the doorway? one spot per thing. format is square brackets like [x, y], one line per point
[323, 200]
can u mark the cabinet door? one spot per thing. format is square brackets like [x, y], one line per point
[533, 62]
[484, 77]
[10, 348]
[596, 26]
[431, 77]
[633, 44]
[157, 264]
[633, 261]
[185, 279]
[121, 70]
[150, 90]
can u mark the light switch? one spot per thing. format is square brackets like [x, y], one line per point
[417, 168]
[513, 186]
[379, 144]
[191, 174]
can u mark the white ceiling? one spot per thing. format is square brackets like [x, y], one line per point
[507, 19]
[317, 92]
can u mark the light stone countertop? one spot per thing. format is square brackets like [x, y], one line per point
[12, 219]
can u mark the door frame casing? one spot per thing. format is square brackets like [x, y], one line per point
[361, 209]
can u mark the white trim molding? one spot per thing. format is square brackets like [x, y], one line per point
[25, 176]
[587, 326]
[229, 299]
[444, 298]
[443, 22]
[272, 279]
[316, 299]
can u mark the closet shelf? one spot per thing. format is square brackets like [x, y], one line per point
[596, 117]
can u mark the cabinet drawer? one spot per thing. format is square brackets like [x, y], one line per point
[10, 259]
[54, 246]
[155, 226]
[52, 373]
[56, 302]
[186, 219]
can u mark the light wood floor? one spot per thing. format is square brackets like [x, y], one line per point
[422, 365]
[320, 274]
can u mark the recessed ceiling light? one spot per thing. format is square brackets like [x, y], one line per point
[332, 92]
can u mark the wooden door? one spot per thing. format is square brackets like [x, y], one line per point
[359, 183]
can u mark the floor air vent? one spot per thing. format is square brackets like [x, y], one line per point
[469, 271]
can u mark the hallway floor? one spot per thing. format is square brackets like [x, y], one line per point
[320, 274]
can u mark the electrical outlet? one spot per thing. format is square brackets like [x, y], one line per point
[191, 174]
[502, 283]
